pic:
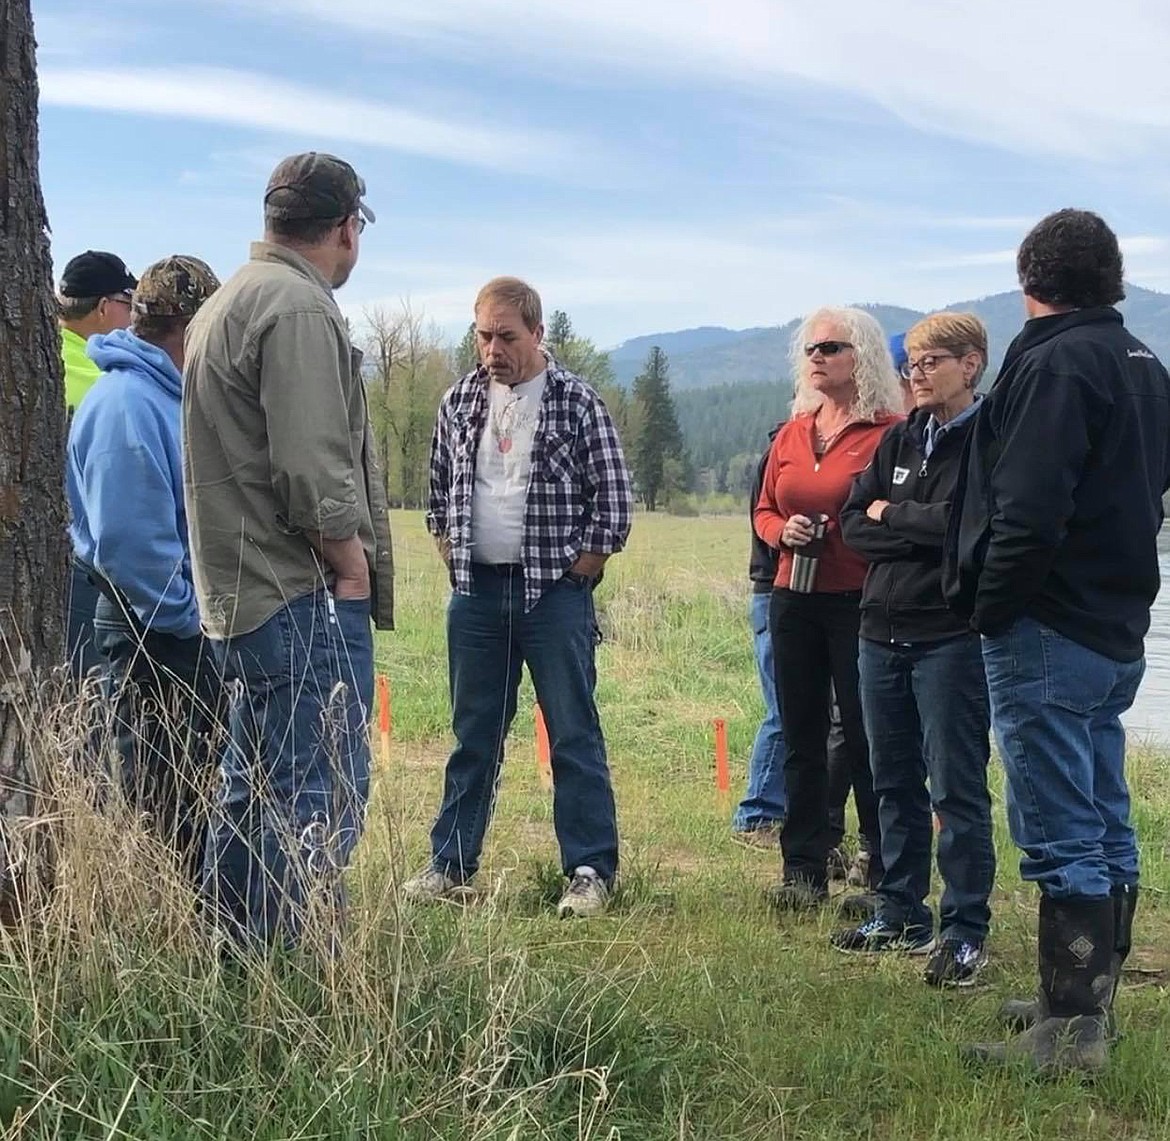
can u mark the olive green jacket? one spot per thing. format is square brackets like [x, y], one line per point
[277, 446]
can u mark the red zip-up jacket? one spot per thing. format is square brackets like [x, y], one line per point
[795, 483]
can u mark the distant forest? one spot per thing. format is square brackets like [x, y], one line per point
[725, 431]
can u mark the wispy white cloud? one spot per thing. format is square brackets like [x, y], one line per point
[625, 280]
[1144, 245]
[262, 103]
[67, 35]
[1139, 247]
[1014, 222]
[1007, 74]
[966, 261]
[248, 165]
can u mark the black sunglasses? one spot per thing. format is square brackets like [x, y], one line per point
[826, 348]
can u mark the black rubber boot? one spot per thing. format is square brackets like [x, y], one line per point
[1076, 952]
[1018, 1014]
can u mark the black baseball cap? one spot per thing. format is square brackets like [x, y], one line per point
[315, 185]
[96, 273]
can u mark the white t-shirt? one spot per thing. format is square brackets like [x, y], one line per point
[502, 465]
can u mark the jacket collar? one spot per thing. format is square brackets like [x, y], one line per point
[1041, 329]
[918, 419]
[271, 252]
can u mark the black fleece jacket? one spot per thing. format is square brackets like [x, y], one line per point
[1060, 499]
[762, 565]
[903, 598]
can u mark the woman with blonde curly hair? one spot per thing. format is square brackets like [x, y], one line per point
[847, 395]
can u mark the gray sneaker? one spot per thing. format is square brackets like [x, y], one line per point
[430, 885]
[585, 896]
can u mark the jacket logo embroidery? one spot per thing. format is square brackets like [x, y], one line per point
[901, 474]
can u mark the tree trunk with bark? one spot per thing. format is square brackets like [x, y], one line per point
[33, 540]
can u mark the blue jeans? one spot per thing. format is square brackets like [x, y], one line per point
[926, 716]
[80, 643]
[489, 637]
[763, 804]
[296, 778]
[1057, 707]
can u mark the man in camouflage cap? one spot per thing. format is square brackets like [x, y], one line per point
[125, 484]
[290, 541]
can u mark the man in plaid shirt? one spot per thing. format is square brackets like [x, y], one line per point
[529, 496]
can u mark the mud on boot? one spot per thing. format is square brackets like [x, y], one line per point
[1017, 1014]
[1076, 952]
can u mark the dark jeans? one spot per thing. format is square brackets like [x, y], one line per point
[489, 638]
[815, 645]
[926, 715]
[1056, 706]
[81, 646]
[296, 779]
[169, 725]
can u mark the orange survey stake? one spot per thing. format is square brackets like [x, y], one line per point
[543, 750]
[383, 704]
[722, 769]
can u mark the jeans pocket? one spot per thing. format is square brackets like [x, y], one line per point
[1075, 678]
[265, 652]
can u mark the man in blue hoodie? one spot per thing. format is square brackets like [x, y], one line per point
[125, 482]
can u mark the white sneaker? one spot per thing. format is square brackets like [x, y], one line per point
[428, 886]
[586, 895]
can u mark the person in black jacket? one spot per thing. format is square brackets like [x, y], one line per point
[1051, 554]
[923, 692]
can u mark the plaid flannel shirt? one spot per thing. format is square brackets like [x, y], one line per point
[579, 496]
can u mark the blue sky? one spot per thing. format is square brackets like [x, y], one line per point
[648, 165]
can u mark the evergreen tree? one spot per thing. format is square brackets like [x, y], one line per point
[558, 333]
[467, 352]
[659, 462]
[727, 421]
[581, 356]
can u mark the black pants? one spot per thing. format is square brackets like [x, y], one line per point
[169, 723]
[815, 648]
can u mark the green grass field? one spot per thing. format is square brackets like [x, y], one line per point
[689, 1012]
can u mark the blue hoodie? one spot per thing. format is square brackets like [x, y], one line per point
[125, 482]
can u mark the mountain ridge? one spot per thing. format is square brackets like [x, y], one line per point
[709, 356]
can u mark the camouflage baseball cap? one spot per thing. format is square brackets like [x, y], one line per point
[315, 185]
[174, 287]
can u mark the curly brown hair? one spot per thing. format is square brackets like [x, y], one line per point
[1071, 258]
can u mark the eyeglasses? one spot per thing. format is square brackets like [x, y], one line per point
[826, 348]
[361, 222]
[120, 298]
[925, 365]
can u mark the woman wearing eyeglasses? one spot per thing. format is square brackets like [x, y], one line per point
[923, 690]
[847, 395]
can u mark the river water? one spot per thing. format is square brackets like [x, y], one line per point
[1150, 716]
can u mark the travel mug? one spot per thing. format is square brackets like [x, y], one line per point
[806, 559]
